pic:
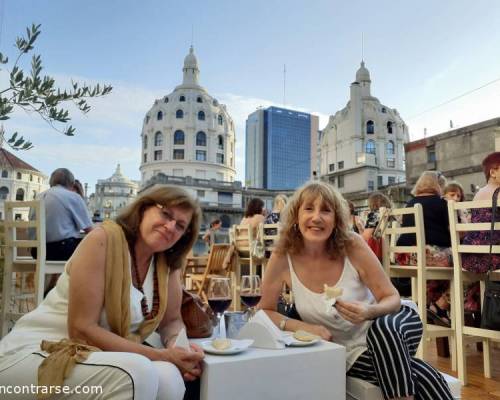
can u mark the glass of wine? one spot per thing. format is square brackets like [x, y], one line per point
[250, 292]
[219, 297]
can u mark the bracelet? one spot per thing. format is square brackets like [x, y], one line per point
[283, 323]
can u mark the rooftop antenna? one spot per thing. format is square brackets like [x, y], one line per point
[284, 85]
[362, 46]
[425, 132]
[192, 35]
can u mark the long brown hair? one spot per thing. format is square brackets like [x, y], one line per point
[290, 237]
[169, 196]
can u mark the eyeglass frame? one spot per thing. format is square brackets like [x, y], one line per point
[168, 217]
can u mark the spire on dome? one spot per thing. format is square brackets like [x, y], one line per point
[190, 70]
[363, 75]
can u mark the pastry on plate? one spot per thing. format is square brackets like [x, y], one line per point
[304, 336]
[221, 344]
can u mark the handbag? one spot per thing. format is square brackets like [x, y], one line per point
[198, 317]
[490, 314]
[257, 250]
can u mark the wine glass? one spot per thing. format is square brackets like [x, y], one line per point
[219, 297]
[250, 292]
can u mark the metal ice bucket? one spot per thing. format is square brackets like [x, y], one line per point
[234, 321]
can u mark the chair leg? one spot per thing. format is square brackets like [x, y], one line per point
[487, 357]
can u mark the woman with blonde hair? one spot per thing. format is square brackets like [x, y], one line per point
[318, 249]
[279, 204]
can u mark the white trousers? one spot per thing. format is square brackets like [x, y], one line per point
[118, 376]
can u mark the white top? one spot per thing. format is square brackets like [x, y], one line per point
[311, 307]
[49, 320]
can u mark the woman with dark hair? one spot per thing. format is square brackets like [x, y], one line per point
[481, 262]
[121, 284]
[254, 213]
[318, 251]
[375, 202]
[354, 223]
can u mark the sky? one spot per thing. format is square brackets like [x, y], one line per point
[419, 54]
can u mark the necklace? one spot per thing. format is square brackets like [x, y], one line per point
[156, 294]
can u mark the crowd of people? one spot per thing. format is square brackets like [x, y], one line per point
[123, 281]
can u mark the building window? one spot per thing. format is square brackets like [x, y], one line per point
[145, 142]
[158, 155]
[5, 174]
[159, 116]
[371, 186]
[31, 178]
[199, 99]
[19, 176]
[370, 127]
[165, 99]
[225, 197]
[177, 172]
[34, 194]
[220, 158]
[20, 195]
[220, 142]
[201, 139]
[201, 116]
[182, 98]
[158, 138]
[147, 119]
[370, 147]
[390, 148]
[144, 157]
[380, 180]
[220, 119]
[331, 167]
[431, 154]
[391, 162]
[341, 164]
[178, 154]
[179, 137]
[332, 180]
[389, 127]
[179, 114]
[383, 110]
[392, 180]
[4, 192]
[340, 181]
[201, 155]
[200, 193]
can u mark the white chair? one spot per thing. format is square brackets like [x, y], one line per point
[15, 262]
[465, 334]
[419, 273]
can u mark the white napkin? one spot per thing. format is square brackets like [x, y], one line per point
[182, 340]
[262, 318]
[329, 303]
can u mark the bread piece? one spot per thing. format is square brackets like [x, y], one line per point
[332, 292]
[221, 344]
[304, 336]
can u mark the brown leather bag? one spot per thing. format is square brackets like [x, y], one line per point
[197, 316]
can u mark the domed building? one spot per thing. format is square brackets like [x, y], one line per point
[19, 181]
[112, 194]
[188, 133]
[362, 146]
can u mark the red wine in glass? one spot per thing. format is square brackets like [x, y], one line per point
[219, 305]
[250, 300]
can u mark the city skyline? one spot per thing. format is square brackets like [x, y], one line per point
[419, 56]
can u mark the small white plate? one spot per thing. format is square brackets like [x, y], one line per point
[237, 346]
[300, 343]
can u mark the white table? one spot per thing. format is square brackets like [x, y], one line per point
[314, 372]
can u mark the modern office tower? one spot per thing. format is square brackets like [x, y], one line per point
[281, 148]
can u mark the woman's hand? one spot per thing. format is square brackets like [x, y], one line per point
[319, 330]
[188, 362]
[354, 312]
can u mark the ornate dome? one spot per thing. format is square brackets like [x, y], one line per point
[190, 61]
[118, 176]
[363, 75]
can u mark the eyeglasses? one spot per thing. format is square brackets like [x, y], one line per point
[168, 217]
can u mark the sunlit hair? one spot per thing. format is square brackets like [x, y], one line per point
[169, 196]
[492, 161]
[427, 183]
[291, 240]
[456, 187]
[377, 200]
[279, 203]
[254, 206]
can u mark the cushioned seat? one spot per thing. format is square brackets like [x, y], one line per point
[357, 389]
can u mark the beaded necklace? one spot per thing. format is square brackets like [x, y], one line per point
[156, 293]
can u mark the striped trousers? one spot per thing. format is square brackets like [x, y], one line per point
[390, 362]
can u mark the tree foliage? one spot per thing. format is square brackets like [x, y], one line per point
[37, 93]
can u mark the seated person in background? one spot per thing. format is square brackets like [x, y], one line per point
[279, 204]
[427, 192]
[354, 222]
[480, 263]
[78, 188]
[316, 247]
[209, 236]
[454, 191]
[122, 283]
[375, 201]
[254, 214]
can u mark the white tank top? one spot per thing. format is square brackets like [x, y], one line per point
[311, 307]
[49, 321]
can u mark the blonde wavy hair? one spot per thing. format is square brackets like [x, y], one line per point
[429, 182]
[291, 240]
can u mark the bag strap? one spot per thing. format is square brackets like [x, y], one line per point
[382, 224]
[494, 202]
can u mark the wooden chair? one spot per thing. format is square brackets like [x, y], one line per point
[419, 273]
[242, 238]
[464, 333]
[215, 267]
[15, 262]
